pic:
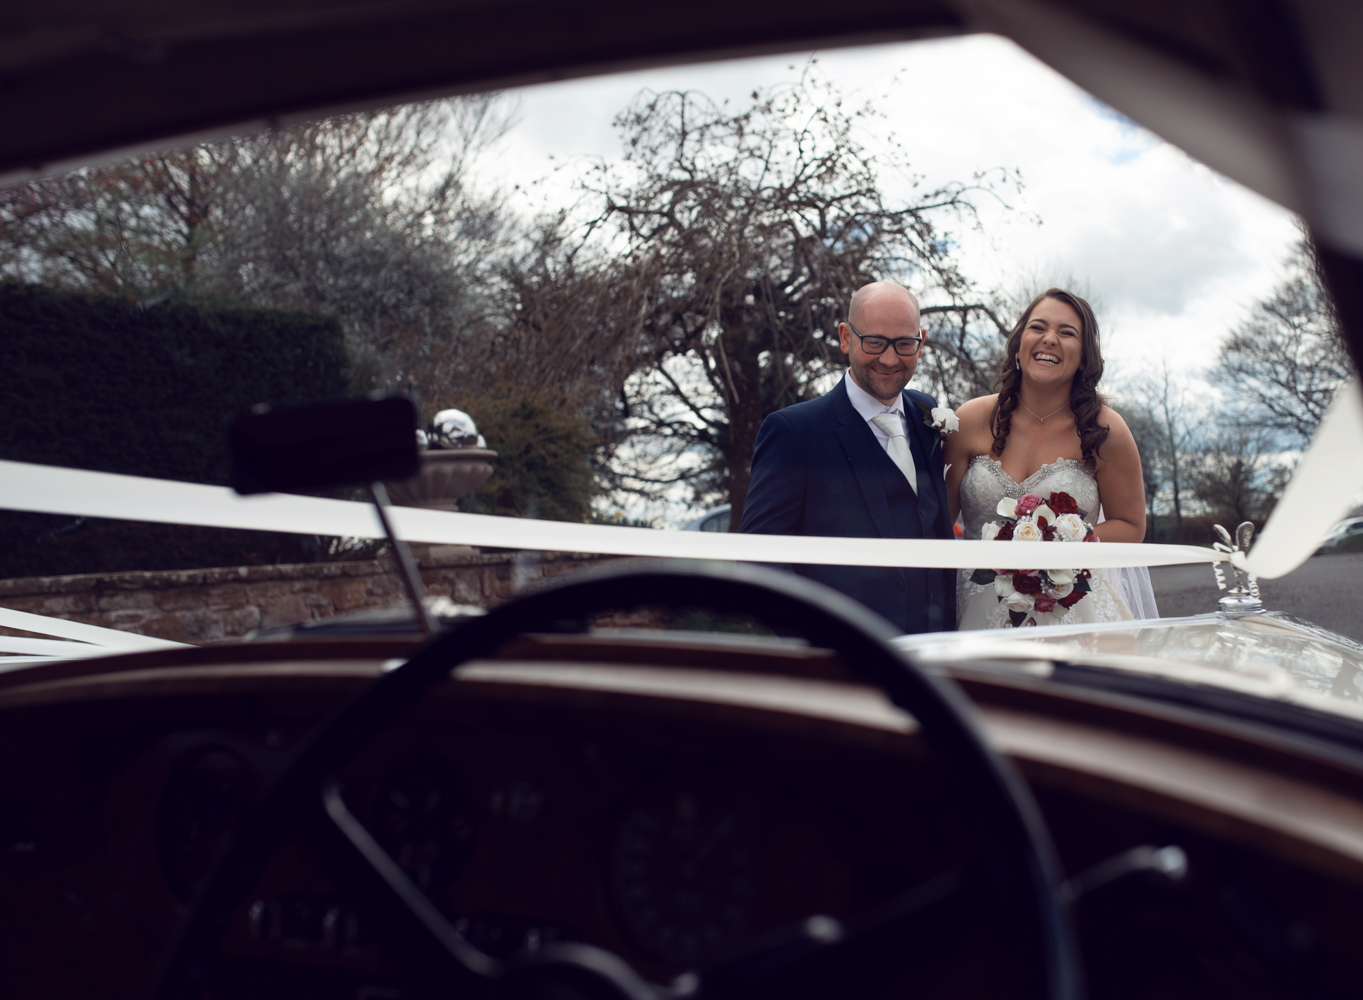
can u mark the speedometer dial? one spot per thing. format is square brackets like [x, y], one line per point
[678, 873]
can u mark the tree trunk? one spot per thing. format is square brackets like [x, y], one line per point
[1178, 506]
[745, 420]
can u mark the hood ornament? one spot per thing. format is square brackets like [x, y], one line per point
[1243, 597]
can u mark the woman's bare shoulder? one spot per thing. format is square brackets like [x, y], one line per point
[1121, 443]
[977, 409]
[1112, 420]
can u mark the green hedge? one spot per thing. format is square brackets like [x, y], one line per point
[107, 384]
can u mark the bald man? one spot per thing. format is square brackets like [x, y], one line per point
[861, 462]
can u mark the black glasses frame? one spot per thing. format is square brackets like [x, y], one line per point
[913, 343]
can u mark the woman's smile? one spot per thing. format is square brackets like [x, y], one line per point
[1050, 344]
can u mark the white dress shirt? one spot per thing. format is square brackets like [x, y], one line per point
[868, 408]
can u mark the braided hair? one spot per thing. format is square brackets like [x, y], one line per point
[1085, 401]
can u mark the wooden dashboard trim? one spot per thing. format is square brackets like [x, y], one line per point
[1259, 809]
[1232, 786]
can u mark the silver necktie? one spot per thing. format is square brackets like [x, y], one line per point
[898, 447]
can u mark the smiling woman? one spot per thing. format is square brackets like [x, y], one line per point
[1047, 431]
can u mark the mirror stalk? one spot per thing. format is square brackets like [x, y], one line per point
[407, 566]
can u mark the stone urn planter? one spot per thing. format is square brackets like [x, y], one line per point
[447, 475]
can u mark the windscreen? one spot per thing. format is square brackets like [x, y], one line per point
[682, 298]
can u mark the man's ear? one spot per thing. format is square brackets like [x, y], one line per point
[845, 338]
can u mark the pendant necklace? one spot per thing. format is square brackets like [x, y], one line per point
[1037, 415]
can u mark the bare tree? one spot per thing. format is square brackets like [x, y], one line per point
[1285, 362]
[562, 319]
[1234, 475]
[964, 351]
[746, 232]
[366, 216]
[1172, 437]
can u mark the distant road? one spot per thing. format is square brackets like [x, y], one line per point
[1327, 590]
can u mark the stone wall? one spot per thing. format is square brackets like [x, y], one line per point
[206, 605]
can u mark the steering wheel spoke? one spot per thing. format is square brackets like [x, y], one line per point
[823, 957]
[408, 921]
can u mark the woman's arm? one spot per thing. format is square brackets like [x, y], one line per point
[964, 445]
[1121, 487]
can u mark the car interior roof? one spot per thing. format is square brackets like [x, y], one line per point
[1243, 87]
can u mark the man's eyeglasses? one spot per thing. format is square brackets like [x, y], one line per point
[905, 347]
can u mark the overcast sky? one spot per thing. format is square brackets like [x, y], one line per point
[1172, 252]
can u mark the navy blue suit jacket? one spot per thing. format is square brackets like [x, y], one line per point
[819, 470]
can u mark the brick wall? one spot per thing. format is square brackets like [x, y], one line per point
[206, 605]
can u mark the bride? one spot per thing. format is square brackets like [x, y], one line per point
[1047, 430]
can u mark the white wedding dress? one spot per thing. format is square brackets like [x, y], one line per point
[984, 485]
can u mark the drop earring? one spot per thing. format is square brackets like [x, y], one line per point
[1017, 363]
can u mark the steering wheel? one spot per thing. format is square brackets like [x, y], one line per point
[808, 959]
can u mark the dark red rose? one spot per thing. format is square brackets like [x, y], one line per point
[1062, 503]
[1026, 584]
[1085, 574]
[1090, 538]
[1005, 534]
[1047, 532]
[1071, 600]
[1045, 604]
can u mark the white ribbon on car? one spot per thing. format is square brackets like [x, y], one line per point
[73, 639]
[1323, 489]
[80, 493]
[1327, 480]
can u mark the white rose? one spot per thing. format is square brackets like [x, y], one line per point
[1059, 592]
[1018, 601]
[1070, 528]
[990, 531]
[1026, 531]
[1003, 586]
[945, 418]
[1008, 507]
[1046, 512]
[1061, 577]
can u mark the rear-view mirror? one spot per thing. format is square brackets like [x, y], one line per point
[333, 444]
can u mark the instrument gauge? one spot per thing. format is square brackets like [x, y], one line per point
[678, 873]
[425, 819]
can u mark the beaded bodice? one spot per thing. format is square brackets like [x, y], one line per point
[985, 484]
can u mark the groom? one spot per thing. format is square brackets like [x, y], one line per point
[859, 462]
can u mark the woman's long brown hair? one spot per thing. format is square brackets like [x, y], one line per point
[1085, 402]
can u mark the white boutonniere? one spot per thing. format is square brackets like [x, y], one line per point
[942, 419]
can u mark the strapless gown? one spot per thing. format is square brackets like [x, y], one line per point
[984, 485]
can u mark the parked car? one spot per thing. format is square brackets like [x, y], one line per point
[527, 806]
[716, 519]
[1350, 527]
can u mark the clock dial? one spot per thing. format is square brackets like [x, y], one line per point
[678, 873]
[424, 818]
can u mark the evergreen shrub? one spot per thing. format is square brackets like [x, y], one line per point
[545, 447]
[111, 385]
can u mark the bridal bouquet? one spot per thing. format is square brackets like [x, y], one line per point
[1031, 592]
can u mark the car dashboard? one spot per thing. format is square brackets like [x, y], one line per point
[664, 797]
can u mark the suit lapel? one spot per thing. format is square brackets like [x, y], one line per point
[927, 455]
[857, 441]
